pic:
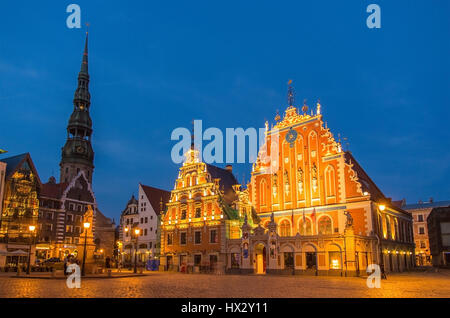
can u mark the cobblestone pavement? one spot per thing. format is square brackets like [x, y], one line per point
[191, 286]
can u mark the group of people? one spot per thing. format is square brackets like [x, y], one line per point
[70, 259]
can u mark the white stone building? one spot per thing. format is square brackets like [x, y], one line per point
[142, 214]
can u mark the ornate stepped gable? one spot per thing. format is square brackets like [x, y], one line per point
[205, 194]
[302, 173]
[20, 199]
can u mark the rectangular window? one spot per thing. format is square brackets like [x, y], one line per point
[142, 220]
[69, 228]
[198, 212]
[420, 218]
[197, 237]
[77, 229]
[445, 233]
[213, 236]
[145, 231]
[422, 244]
[69, 218]
[183, 215]
[169, 238]
[421, 230]
[48, 227]
[146, 219]
[49, 216]
[183, 238]
[335, 260]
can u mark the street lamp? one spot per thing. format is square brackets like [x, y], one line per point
[31, 228]
[86, 226]
[136, 232]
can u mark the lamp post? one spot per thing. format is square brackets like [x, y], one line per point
[126, 231]
[31, 228]
[136, 232]
[86, 226]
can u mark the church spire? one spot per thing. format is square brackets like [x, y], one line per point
[84, 63]
[82, 97]
[77, 153]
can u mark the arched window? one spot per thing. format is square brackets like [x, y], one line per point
[330, 182]
[324, 225]
[262, 191]
[388, 228]
[285, 228]
[305, 228]
[395, 229]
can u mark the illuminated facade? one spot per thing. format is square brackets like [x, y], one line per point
[321, 213]
[20, 185]
[205, 210]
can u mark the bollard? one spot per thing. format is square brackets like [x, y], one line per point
[109, 272]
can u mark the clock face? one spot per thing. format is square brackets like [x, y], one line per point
[80, 149]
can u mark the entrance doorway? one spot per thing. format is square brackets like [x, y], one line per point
[311, 261]
[260, 251]
[212, 262]
[169, 263]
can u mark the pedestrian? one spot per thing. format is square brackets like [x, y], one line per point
[383, 273]
[65, 266]
[119, 266]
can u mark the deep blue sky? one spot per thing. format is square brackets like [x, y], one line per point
[156, 65]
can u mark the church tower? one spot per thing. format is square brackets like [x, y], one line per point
[77, 154]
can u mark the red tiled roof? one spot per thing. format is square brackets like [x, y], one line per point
[155, 195]
[53, 190]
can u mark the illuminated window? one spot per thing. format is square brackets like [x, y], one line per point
[198, 212]
[183, 238]
[324, 225]
[305, 228]
[183, 215]
[169, 239]
[335, 260]
[285, 228]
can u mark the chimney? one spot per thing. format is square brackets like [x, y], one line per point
[229, 168]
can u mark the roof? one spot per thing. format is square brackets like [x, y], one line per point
[426, 205]
[53, 190]
[155, 195]
[366, 182]
[13, 163]
[132, 200]
[227, 178]
[439, 213]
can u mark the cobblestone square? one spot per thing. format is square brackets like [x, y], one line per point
[157, 284]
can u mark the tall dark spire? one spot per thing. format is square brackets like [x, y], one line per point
[77, 153]
[84, 63]
[82, 97]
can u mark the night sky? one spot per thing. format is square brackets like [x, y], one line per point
[156, 65]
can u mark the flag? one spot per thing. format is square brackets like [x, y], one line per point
[313, 214]
[292, 216]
